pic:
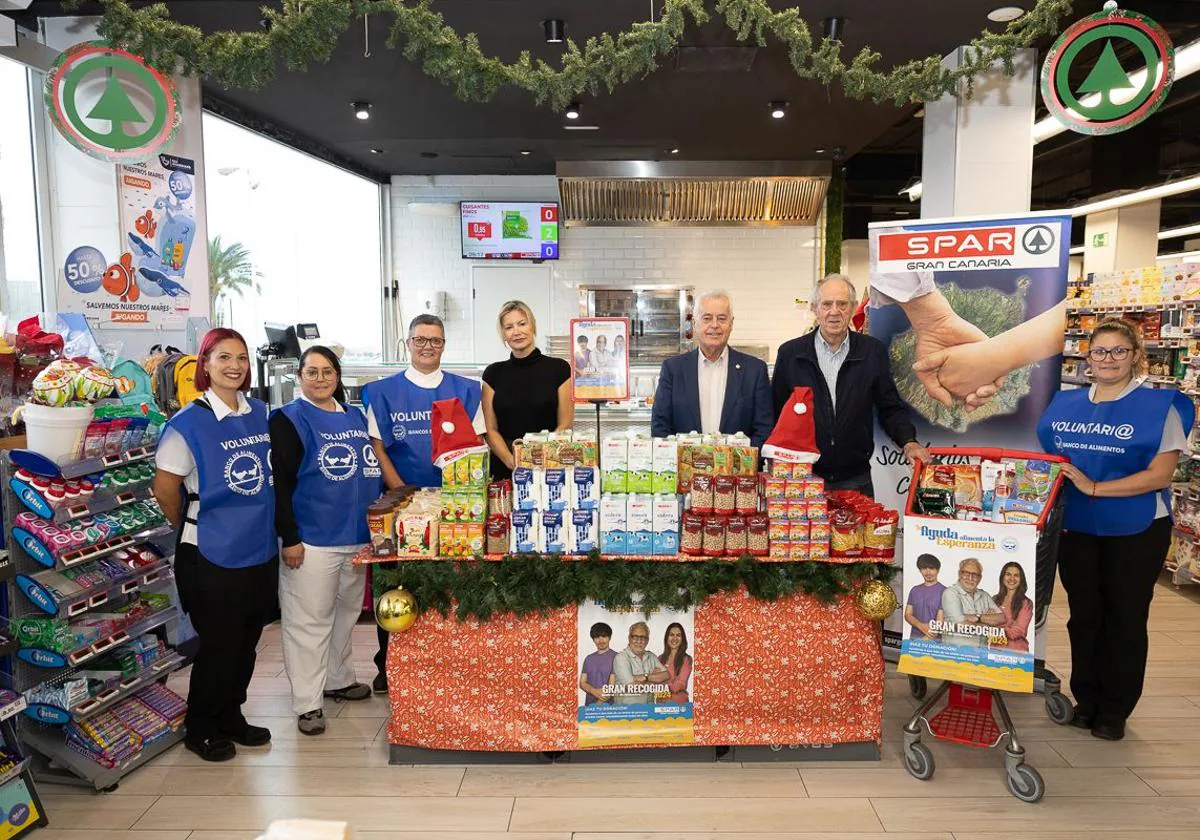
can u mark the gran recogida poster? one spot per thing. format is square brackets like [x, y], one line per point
[978, 300]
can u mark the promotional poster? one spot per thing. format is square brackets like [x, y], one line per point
[600, 358]
[968, 602]
[635, 676]
[963, 305]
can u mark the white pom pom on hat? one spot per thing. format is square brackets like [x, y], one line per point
[800, 408]
[448, 427]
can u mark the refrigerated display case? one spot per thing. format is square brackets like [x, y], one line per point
[660, 317]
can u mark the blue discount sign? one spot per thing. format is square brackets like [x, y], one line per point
[84, 269]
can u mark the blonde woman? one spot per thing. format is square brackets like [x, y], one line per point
[1123, 440]
[527, 392]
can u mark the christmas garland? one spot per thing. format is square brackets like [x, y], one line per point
[306, 31]
[532, 583]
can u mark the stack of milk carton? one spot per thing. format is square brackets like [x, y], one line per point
[639, 510]
[556, 494]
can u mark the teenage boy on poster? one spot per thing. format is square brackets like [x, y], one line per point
[924, 599]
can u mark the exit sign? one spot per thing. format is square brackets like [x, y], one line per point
[1099, 240]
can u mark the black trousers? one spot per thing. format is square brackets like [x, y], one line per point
[228, 608]
[381, 654]
[1110, 583]
[861, 483]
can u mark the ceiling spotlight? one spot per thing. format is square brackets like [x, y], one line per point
[526, 152]
[376, 151]
[573, 111]
[554, 30]
[832, 28]
[820, 150]
[1005, 14]
[362, 110]
[674, 151]
[778, 110]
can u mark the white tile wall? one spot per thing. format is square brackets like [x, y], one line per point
[764, 269]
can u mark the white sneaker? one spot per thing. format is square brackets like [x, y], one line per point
[312, 723]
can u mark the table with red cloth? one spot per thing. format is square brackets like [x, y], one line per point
[794, 671]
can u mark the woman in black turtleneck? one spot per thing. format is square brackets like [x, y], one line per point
[527, 392]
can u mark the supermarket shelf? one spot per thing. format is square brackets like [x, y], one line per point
[89, 599]
[127, 687]
[52, 744]
[95, 552]
[103, 504]
[1147, 307]
[88, 466]
[13, 708]
[14, 772]
[77, 657]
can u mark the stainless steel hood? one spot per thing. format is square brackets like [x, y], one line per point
[680, 193]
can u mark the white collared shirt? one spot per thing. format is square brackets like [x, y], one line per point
[830, 362]
[430, 381]
[711, 377]
[175, 456]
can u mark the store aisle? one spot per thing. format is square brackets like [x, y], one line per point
[1148, 783]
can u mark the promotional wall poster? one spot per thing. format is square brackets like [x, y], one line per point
[968, 602]
[964, 305]
[600, 358]
[635, 676]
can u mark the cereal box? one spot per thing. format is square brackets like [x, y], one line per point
[814, 488]
[798, 551]
[798, 532]
[779, 552]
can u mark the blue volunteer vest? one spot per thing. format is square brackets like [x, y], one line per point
[1107, 441]
[236, 524]
[404, 411]
[338, 477]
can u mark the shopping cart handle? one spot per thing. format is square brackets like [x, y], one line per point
[990, 454]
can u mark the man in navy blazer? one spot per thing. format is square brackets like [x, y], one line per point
[713, 389]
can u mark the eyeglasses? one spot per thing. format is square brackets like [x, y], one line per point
[643, 638]
[312, 374]
[975, 575]
[1097, 354]
[435, 343]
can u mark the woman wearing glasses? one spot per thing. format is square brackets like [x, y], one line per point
[326, 474]
[527, 392]
[1124, 441]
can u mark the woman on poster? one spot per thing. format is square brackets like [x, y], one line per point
[1124, 441]
[677, 661]
[1013, 601]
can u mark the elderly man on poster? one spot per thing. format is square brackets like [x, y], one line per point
[965, 603]
[637, 666]
[713, 389]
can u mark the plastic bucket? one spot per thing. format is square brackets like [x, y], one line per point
[56, 432]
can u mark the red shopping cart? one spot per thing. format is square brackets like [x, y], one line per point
[970, 714]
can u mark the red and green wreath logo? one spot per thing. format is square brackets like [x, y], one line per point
[1110, 98]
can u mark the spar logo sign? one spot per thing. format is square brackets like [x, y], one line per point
[978, 247]
[1109, 98]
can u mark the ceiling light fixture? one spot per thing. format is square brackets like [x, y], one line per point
[526, 152]
[832, 28]
[778, 109]
[376, 151]
[1005, 14]
[573, 111]
[1183, 185]
[674, 151]
[820, 150]
[554, 29]
[1181, 256]
[1175, 233]
[582, 127]
[362, 110]
[912, 189]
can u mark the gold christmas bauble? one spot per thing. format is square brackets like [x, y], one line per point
[396, 610]
[875, 600]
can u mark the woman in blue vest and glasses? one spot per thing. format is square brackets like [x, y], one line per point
[214, 484]
[1124, 441]
[326, 474]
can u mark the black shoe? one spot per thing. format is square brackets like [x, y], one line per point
[1081, 720]
[354, 691]
[211, 749]
[250, 736]
[379, 684]
[1109, 730]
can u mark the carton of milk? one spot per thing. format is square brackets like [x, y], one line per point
[641, 465]
[527, 488]
[555, 531]
[555, 491]
[584, 531]
[665, 470]
[585, 488]
[666, 525]
[525, 529]
[614, 538]
[614, 459]
[639, 523]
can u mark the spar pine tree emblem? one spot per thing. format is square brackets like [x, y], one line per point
[111, 104]
[1114, 95]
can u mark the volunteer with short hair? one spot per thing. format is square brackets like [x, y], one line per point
[399, 411]
[1124, 441]
[326, 474]
[214, 483]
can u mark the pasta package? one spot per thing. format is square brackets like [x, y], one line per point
[968, 487]
[1035, 480]
[846, 534]
[879, 534]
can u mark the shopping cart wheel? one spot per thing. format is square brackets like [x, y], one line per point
[1025, 783]
[917, 687]
[918, 761]
[1059, 708]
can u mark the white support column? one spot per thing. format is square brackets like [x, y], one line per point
[1120, 239]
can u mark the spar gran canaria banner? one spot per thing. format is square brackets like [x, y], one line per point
[965, 306]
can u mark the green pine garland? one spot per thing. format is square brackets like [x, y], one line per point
[532, 583]
[306, 31]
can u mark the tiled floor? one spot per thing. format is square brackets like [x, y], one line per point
[1147, 786]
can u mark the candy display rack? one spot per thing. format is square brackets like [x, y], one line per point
[89, 616]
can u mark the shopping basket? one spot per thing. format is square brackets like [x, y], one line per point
[969, 716]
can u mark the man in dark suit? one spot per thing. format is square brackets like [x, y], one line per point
[713, 389]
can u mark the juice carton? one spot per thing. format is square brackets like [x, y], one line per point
[615, 463]
[585, 489]
[584, 531]
[665, 466]
[666, 525]
[640, 524]
[555, 492]
[555, 531]
[473, 546]
[525, 528]
[613, 525]
[587, 448]
[641, 465]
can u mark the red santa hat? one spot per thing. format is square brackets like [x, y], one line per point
[453, 433]
[794, 437]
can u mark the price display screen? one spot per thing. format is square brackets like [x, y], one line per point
[493, 230]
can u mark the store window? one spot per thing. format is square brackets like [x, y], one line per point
[20, 254]
[291, 240]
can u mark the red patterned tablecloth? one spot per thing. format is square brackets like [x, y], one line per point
[792, 671]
